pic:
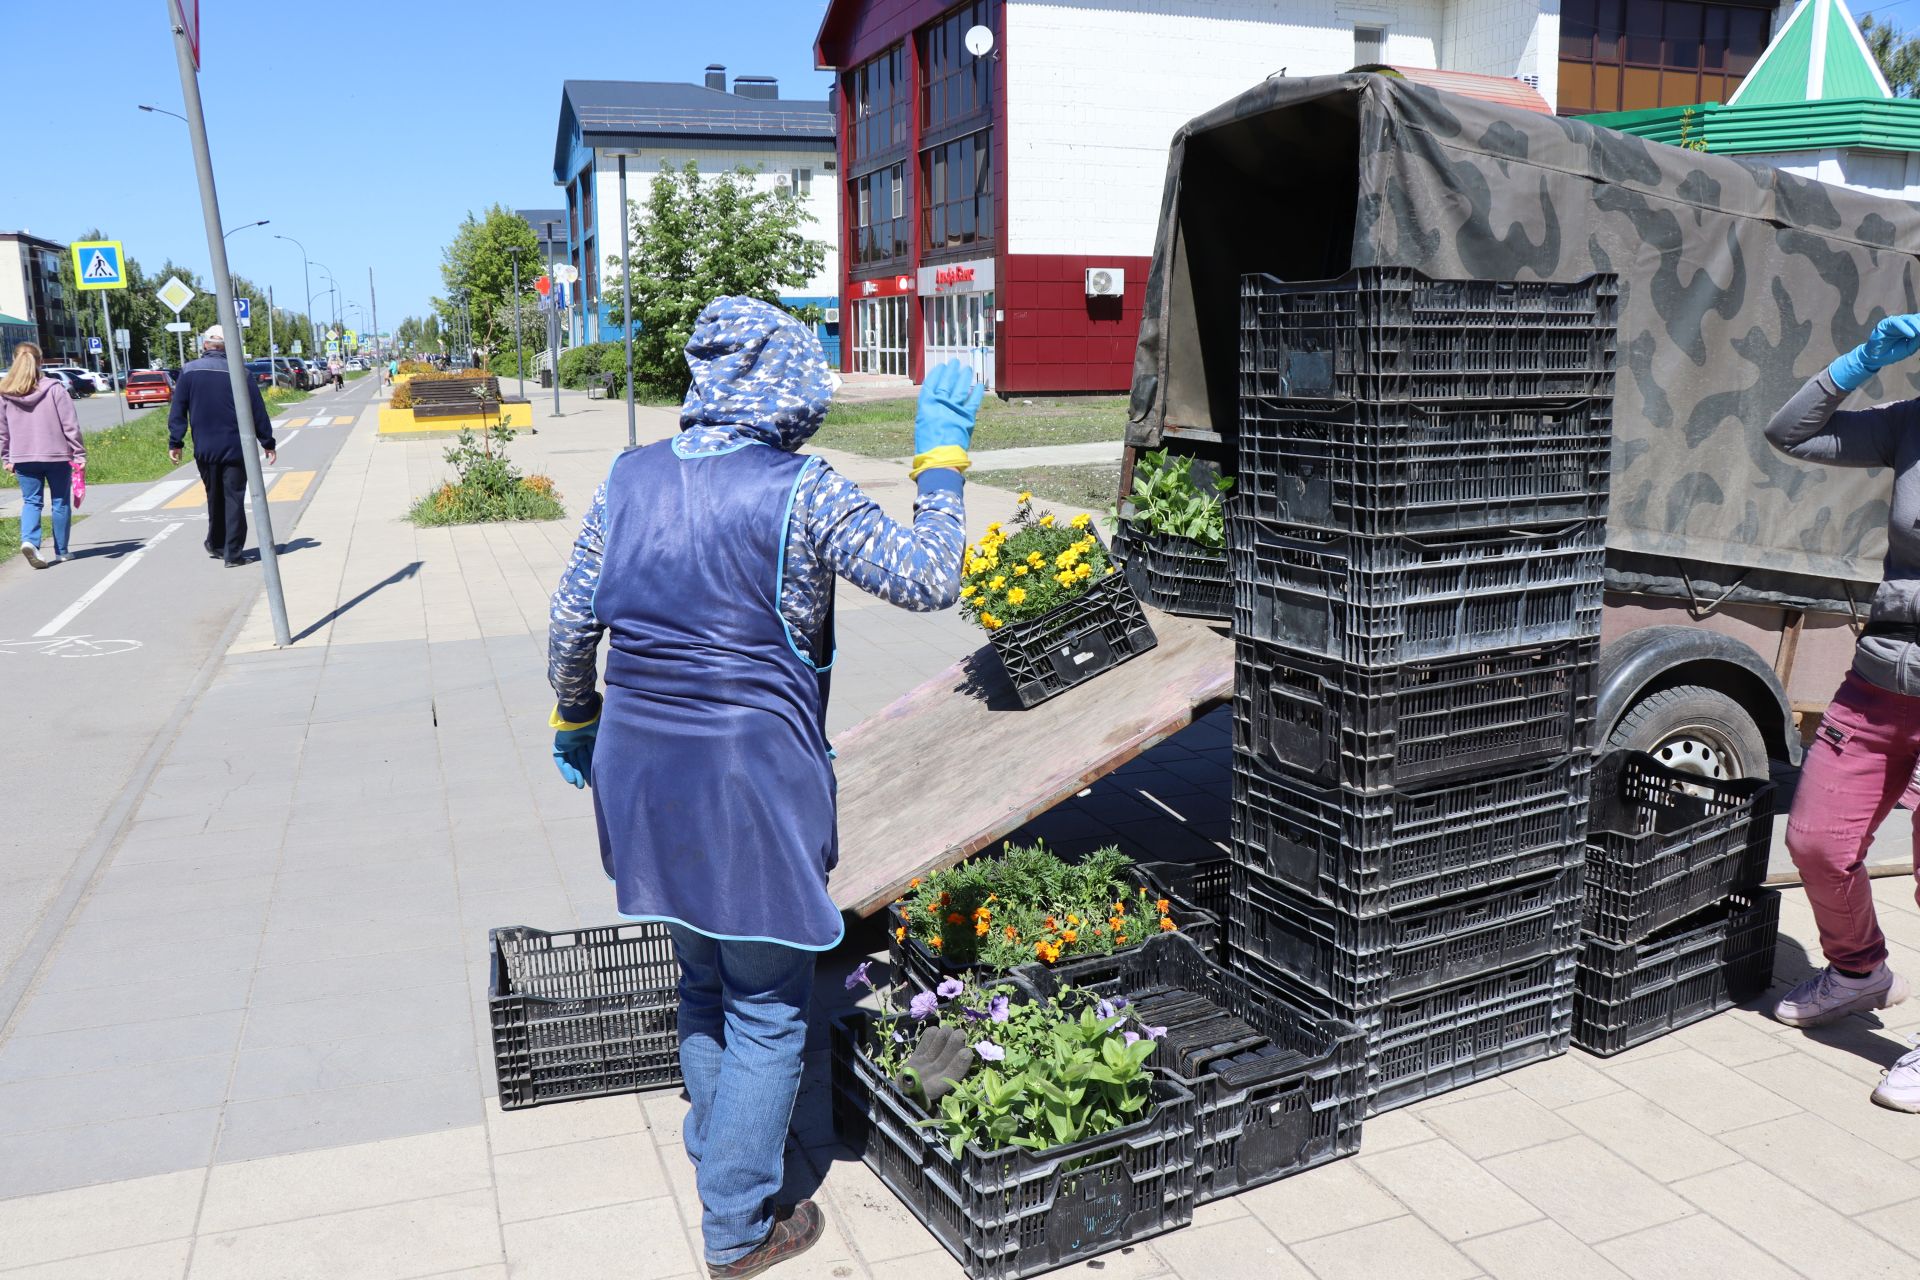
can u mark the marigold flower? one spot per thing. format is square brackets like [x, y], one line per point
[1040, 949]
[1081, 521]
[999, 581]
[1119, 908]
[1046, 521]
[1052, 923]
[1119, 939]
[1025, 496]
[900, 934]
[934, 943]
[993, 526]
[980, 927]
[990, 622]
[1072, 918]
[1083, 570]
[1070, 936]
[953, 917]
[1162, 905]
[1035, 557]
[968, 592]
[914, 883]
[933, 908]
[1116, 924]
[1017, 595]
[993, 897]
[946, 899]
[1013, 934]
[1019, 571]
[1167, 925]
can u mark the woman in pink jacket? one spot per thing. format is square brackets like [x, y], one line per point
[39, 442]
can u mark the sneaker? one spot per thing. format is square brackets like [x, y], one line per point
[34, 555]
[794, 1232]
[1900, 1091]
[1830, 995]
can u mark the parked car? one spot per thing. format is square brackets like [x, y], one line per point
[149, 386]
[77, 386]
[315, 374]
[292, 373]
[262, 372]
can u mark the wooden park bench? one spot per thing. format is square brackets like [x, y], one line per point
[447, 397]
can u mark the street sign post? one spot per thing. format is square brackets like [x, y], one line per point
[186, 16]
[299, 347]
[243, 308]
[179, 326]
[93, 345]
[175, 294]
[101, 265]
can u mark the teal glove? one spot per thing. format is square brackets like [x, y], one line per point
[1892, 340]
[573, 752]
[949, 400]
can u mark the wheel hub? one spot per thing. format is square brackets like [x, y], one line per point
[1698, 752]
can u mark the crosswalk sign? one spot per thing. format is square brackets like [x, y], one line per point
[99, 264]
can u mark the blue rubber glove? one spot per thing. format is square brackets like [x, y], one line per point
[949, 400]
[573, 752]
[1892, 340]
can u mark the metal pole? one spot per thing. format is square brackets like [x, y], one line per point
[373, 300]
[626, 298]
[553, 350]
[229, 322]
[113, 358]
[180, 340]
[273, 348]
[519, 351]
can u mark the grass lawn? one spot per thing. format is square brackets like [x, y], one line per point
[1093, 485]
[10, 535]
[884, 428]
[138, 451]
[278, 397]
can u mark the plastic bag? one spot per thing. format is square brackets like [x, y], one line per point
[79, 482]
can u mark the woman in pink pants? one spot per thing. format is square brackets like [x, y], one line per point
[1863, 756]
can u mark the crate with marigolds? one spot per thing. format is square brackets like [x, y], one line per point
[1054, 604]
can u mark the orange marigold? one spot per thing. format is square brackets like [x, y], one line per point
[1163, 905]
[934, 943]
[980, 927]
[900, 934]
[1012, 933]
[1119, 938]
[953, 917]
[914, 883]
[1166, 925]
[1070, 936]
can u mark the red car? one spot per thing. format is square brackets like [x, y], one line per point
[149, 386]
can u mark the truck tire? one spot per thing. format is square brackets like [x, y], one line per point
[1693, 729]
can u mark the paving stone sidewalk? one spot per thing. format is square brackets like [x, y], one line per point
[261, 1049]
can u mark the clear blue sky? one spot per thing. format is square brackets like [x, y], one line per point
[367, 131]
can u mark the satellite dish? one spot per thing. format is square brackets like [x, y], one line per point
[979, 41]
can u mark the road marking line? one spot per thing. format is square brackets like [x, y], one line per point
[158, 494]
[287, 439]
[295, 423]
[195, 495]
[99, 588]
[291, 487]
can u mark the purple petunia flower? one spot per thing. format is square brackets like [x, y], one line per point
[989, 1051]
[950, 988]
[923, 1005]
[1110, 1008]
[898, 1038]
[997, 1008]
[1153, 1033]
[1130, 1036]
[859, 976]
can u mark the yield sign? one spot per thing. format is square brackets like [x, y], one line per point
[175, 294]
[186, 14]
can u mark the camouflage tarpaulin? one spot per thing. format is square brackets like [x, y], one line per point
[1737, 282]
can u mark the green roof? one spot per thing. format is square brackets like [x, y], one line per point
[6, 319]
[1818, 56]
[1873, 124]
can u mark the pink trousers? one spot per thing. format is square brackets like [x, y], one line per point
[1856, 769]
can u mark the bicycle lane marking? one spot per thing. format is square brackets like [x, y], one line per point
[100, 588]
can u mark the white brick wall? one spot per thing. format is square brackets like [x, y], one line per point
[1504, 38]
[1096, 89]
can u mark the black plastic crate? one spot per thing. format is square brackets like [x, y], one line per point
[1424, 1045]
[917, 963]
[1370, 854]
[1376, 728]
[1379, 601]
[1394, 468]
[1363, 961]
[585, 1013]
[1666, 844]
[1012, 1213]
[1388, 333]
[1100, 628]
[1277, 1089]
[1177, 575]
[1192, 887]
[1631, 992]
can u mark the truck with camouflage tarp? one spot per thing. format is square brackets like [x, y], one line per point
[1737, 578]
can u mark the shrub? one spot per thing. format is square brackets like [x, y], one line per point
[507, 365]
[402, 397]
[581, 367]
[409, 368]
[487, 487]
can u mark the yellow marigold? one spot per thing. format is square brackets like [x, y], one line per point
[998, 582]
[1081, 521]
[980, 928]
[969, 592]
[993, 897]
[1035, 558]
[1046, 521]
[1019, 571]
[900, 934]
[1040, 949]
[1110, 569]
[990, 622]
[1017, 595]
[993, 526]
[1085, 544]
[1066, 558]
[1025, 496]
[1064, 577]
[1083, 570]
[1166, 925]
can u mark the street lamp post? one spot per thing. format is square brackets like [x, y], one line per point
[243, 338]
[519, 351]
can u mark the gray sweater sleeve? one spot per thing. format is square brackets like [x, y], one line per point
[1807, 427]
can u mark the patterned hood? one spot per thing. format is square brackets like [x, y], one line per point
[757, 373]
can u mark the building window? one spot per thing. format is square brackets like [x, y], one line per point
[957, 178]
[586, 198]
[802, 182]
[1369, 46]
[880, 205]
[956, 86]
[877, 104]
[880, 336]
[1634, 55]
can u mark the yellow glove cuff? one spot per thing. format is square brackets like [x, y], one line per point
[946, 456]
[555, 722]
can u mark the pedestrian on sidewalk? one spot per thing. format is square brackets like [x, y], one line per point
[203, 403]
[1863, 756]
[39, 442]
[710, 561]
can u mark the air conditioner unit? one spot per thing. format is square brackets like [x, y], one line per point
[782, 182]
[1106, 282]
[830, 316]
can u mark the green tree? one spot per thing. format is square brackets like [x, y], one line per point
[1897, 53]
[697, 239]
[479, 265]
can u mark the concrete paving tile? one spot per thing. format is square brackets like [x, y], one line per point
[60, 1102]
[937, 1264]
[252, 1193]
[393, 910]
[1648, 1136]
[1690, 1248]
[168, 997]
[361, 1013]
[74, 968]
[1733, 1039]
[105, 1048]
[143, 844]
[1535, 1250]
[428, 1050]
[116, 934]
[197, 870]
[1333, 1198]
[1586, 1189]
[423, 876]
[1395, 1129]
[111, 1151]
[1801, 1232]
[340, 1117]
[116, 1215]
[1898, 1224]
[601, 1242]
[582, 1175]
[305, 946]
[1205, 1215]
[389, 971]
[1562, 1081]
[1827, 1163]
[870, 1214]
[1415, 1251]
[1495, 1123]
[1451, 1193]
[1708, 1096]
[147, 1262]
[1129, 1262]
[388, 1242]
[187, 893]
[1237, 1247]
[533, 1127]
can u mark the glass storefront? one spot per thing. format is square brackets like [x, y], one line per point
[959, 326]
[881, 332]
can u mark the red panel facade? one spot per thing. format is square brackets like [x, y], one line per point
[1055, 338]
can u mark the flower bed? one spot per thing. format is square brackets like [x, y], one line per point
[989, 915]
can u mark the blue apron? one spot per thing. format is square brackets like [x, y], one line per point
[712, 784]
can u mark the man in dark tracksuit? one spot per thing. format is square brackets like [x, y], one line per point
[203, 399]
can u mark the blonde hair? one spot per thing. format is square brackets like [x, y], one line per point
[24, 376]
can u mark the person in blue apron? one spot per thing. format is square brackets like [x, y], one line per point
[709, 563]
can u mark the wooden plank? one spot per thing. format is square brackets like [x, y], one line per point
[953, 766]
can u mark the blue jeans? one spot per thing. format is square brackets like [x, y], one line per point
[743, 1029]
[50, 478]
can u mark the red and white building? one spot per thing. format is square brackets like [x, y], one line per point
[1001, 208]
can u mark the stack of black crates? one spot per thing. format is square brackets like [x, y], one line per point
[1417, 559]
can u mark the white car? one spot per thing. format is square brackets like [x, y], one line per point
[98, 381]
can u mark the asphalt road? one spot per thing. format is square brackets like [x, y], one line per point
[102, 410]
[98, 653]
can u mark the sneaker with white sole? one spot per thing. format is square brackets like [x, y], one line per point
[34, 556]
[1900, 1091]
[1830, 995]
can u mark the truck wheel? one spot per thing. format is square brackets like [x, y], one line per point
[1693, 729]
